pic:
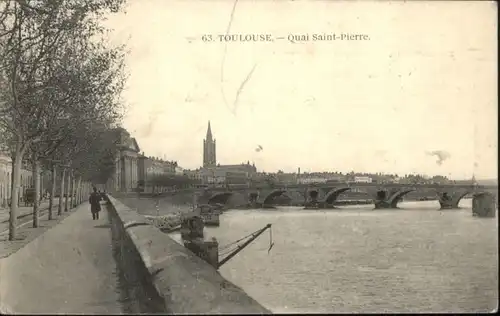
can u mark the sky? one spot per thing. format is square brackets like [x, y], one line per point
[424, 80]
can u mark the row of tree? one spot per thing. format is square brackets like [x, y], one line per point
[60, 87]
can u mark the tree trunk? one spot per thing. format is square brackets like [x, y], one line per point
[52, 190]
[87, 191]
[84, 192]
[41, 186]
[61, 192]
[77, 193]
[72, 201]
[81, 189]
[75, 190]
[14, 193]
[80, 192]
[71, 189]
[77, 187]
[36, 185]
[68, 184]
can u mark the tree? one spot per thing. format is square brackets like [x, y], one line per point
[95, 150]
[39, 74]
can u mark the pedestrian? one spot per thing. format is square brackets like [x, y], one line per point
[95, 206]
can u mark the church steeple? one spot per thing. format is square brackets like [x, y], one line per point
[209, 132]
[209, 149]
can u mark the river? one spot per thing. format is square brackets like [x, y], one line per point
[356, 260]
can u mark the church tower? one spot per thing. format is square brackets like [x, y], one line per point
[209, 158]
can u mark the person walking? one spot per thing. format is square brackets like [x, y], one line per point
[95, 206]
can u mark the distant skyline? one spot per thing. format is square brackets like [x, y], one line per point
[425, 82]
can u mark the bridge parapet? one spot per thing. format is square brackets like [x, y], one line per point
[327, 195]
[176, 280]
[325, 188]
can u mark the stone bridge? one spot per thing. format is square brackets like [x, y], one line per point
[383, 196]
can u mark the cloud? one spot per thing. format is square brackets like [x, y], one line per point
[440, 154]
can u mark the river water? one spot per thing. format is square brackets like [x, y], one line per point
[354, 260]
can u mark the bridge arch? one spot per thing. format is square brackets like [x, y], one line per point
[272, 195]
[313, 190]
[458, 197]
[396, 197]
[453, 200]
[220, 198]
[313, 194]
[333, 195]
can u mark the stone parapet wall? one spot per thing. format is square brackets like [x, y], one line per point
[165, 276]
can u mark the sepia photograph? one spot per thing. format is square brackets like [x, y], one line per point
[248, 157]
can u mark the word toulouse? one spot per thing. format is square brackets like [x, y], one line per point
[238, 38]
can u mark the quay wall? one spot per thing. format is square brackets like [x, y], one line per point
[165, 276]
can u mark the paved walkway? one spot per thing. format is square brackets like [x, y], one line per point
[69, 269]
